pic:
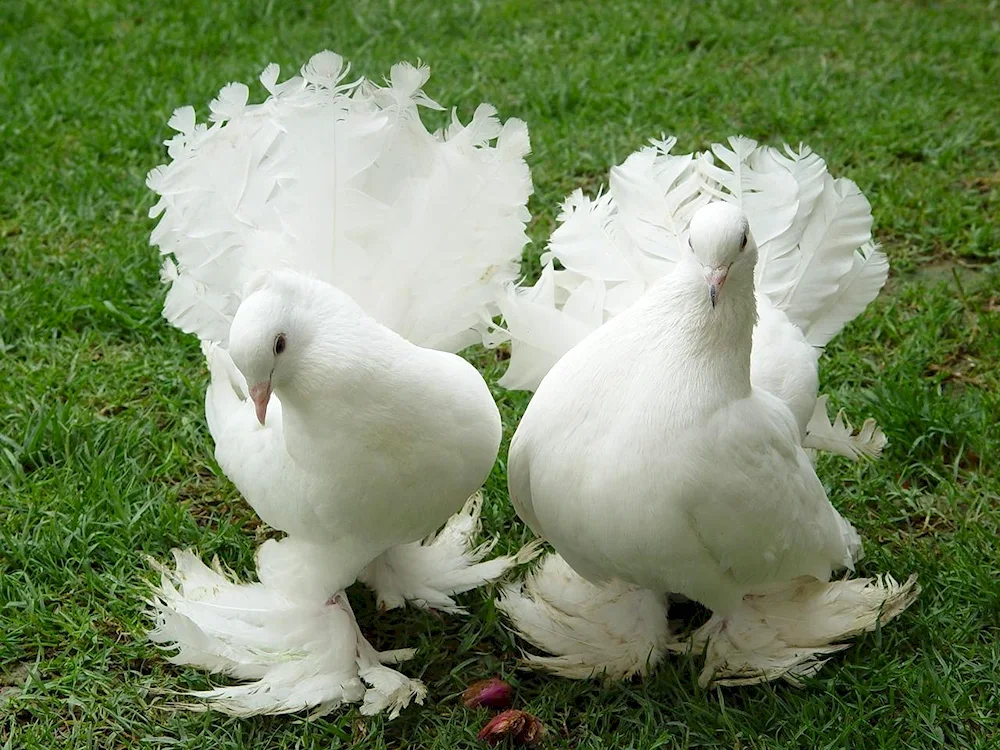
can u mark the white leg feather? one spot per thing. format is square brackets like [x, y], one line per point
[787, 631]
[839, 436]
[429, 573]
[614, 630]
[388, 689]
[299, 654]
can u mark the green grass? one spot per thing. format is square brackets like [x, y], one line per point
[103, 451]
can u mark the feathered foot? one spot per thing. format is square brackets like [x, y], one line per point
[299, 655]
[839, 436]
[388, 689]
[786, 631]
[428, 573]
[613, 630]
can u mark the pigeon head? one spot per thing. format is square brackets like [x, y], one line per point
[283, 331]
[721, 242]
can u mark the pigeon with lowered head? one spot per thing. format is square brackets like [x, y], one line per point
[331, 253]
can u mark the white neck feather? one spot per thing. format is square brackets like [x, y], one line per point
[704, 345]
[351, 372]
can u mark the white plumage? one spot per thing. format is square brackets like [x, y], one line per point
[344, 182]
[651, 456]
[613, 628]
[331, 254]
[818, 266]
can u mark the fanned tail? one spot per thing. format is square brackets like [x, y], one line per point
[539, 332]
[612, 248]
[817, 263]
[789, 631]
[751, 176]
[340, 179]
[429, 573]
[612, 630]
[855, 291]
[298, 655]
[455, 234]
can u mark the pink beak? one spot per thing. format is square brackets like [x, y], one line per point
[260, 394]
[716, 278]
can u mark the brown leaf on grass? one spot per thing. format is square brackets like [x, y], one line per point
[983, 183]
[960, 372]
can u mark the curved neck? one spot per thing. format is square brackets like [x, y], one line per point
[710, 345]
[342, 387]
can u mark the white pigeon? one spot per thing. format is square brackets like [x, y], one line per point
[331, 254]
[818, 267]
[654, 465]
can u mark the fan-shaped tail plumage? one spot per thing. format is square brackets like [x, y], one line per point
[817, 262]
[341, 179]
[613, 630]
[297, 655]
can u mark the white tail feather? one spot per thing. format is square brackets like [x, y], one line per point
[656, 193]
[613, 630]
[544, 333]
[429, 573]
[868, 274]
[590, 242]
[340, 179]
[839, 225]
[752, 178]
[839, 436]
[817, 264]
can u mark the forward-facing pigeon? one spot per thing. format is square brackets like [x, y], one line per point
[656, 462]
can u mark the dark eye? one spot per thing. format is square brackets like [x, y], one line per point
[744, 243]
[279, 344]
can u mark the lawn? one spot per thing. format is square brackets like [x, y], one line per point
[104, 455]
